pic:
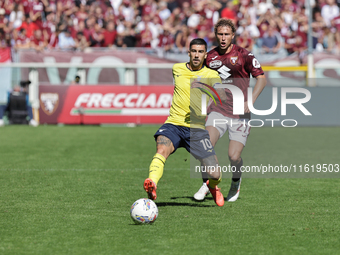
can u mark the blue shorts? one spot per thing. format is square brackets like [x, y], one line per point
[194, 140]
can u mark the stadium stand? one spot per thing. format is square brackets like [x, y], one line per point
[166, 24]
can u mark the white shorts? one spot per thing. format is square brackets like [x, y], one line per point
[238, 128]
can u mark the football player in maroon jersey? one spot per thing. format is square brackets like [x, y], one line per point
[234, 65]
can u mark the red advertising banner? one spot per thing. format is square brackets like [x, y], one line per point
[77, 104]
[5, 54]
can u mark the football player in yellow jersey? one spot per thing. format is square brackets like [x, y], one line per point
[180, 130]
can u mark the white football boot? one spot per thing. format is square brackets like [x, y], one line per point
[202, 192]
[234, 191]
[33, 123]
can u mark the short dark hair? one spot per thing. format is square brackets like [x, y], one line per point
[198, 41]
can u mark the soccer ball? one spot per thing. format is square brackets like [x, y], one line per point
[144, 211]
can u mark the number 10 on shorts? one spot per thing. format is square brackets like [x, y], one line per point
[206, 144]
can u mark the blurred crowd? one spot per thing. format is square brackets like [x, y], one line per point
[270, 26]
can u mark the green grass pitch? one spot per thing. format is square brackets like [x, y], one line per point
[68, 190]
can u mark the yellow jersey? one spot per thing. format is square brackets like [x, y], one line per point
[186, 109]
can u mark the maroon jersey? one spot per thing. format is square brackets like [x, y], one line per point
[336, 23]
[234, 68]
[22, 40]
[27, 6]
[37, 6]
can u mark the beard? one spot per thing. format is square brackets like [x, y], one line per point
[196, 63]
